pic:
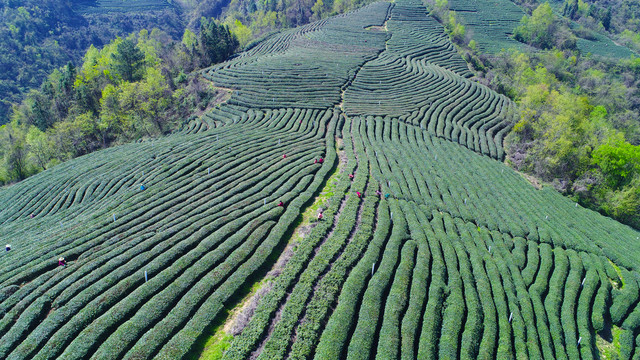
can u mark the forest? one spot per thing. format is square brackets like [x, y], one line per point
[133, 87]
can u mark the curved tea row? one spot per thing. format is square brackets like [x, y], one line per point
[207, 220]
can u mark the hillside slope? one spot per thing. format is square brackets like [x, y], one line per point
[434, 249]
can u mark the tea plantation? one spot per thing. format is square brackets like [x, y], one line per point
[106, 6]
[429, 247]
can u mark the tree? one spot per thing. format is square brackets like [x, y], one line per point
[618, 159]
[537, 29]
[318, 9]
[606, 20]
[110, 111]
[40, 149]
[216, 42]
[14, 150]
[129, 61]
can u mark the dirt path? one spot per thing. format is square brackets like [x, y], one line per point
[241, 314]
[338, 255]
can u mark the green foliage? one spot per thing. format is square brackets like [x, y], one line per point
[456, 30]
[618, 160]
[544, 30]
[37, 37]
[537, 28]
[462, 259]
[121, 92]
[128, 61]
[216, 43]
[575, 126]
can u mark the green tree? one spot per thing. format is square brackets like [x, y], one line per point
[537, 29]
[40, 147]
[216, 42]
[618, 160]
[109, 114]
[14, 150]
[129, 61]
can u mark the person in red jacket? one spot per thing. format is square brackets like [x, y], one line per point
[284, 156]
[315, 161]
[351, 176]
[321, 160]
[62, 262]
[281, 204]
[320, 216]
[359, 194]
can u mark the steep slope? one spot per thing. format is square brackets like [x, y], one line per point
[433, 249]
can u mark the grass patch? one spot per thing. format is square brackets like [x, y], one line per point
[610, 350]
[616, 284]
[217, 344]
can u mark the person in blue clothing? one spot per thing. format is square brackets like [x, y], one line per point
[142, 187]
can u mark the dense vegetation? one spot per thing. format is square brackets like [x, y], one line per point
[38, 36]
[579, 126]
[618, 18]
[133, 87]
[429, 246]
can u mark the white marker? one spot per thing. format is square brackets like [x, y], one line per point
[145, 276]
[373, 267]
[510, 317]
[114, 219]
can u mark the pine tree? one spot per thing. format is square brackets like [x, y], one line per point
[129, 61]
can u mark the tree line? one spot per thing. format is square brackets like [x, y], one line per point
[134, 87]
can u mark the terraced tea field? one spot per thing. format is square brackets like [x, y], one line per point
[106, 6]
[428, 247]
[490, 22]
